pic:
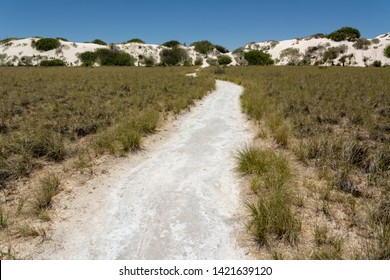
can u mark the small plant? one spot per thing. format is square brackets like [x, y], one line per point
[3, 218]
[219, 70]
[375, 41]
[46, 44]
[28, 231]
[47, 189]
[224, 60]
[362, 44]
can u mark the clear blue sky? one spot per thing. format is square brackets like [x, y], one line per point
[228, 23]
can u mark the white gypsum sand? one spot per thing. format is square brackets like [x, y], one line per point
[178, 199]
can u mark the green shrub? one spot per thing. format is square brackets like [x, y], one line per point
[99, 42]
[224, 60]
[171, 44]
[387, 51]
[375, 41]
[212, 61]
[174, 56]
[112, 57]
[345, 33]
[135, 40]
[221, 49]
[377, 63]
[88, 58]
[203, 46]
[52, 62]
[258, 58]
[199, 61]
[149, 61]
[46, 44]
[331, 53]
[362, 44]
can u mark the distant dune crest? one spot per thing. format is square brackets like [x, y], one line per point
[314, 50]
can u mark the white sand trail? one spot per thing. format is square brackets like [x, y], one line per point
[178, 199]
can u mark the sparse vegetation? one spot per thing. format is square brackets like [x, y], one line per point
[335, 122]
[45, 112]
[46, 44]
[362, 44]
[292, 55]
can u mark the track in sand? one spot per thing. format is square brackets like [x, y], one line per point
[178, 199]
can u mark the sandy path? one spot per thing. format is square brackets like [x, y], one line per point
[178, 199]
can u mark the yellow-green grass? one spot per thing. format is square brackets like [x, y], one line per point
[45, 112]
[337, 121]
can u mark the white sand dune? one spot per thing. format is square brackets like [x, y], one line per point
[20, 52]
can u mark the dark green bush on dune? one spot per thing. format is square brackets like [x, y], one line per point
[387, 51]
[46, 44]
[258, 58]
[52, 62]
[99, 42]
[136, 40]
[224, 60]
[173, 56]
[171, 44]
[345, 33]
[107, 57]
[203, 47]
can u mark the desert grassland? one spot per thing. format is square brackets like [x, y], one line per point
[49, 115]
[319, 170]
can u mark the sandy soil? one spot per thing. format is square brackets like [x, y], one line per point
[180, 198]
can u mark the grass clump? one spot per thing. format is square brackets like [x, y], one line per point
[47, 189]
[271, 214]
[4, 218]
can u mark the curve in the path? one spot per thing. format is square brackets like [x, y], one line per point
[177, 201]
